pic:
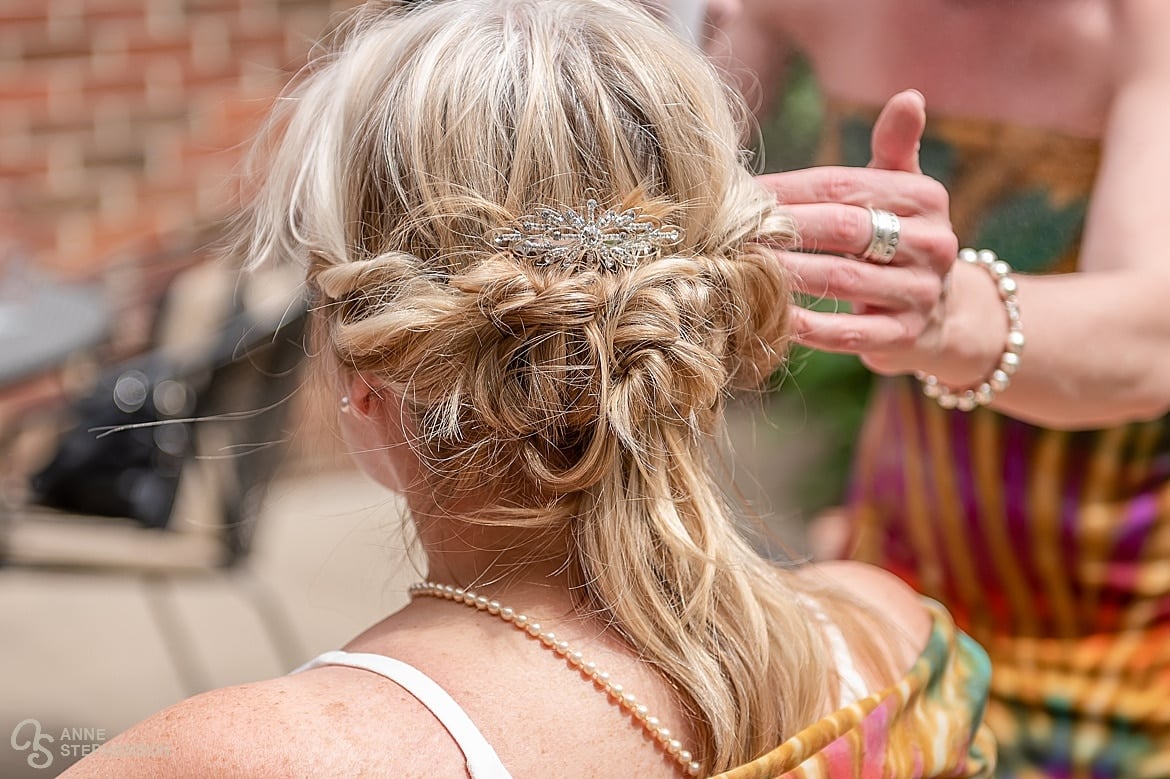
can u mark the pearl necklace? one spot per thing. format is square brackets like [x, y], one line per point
[653, 727]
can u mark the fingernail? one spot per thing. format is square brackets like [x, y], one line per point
[921, 97]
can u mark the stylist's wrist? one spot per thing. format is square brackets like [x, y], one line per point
[973, 330]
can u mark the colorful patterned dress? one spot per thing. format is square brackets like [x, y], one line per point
[1052, 549]
[926, 725]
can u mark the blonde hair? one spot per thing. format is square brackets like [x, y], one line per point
[587, 398]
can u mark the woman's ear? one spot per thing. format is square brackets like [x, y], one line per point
[361, 395]
[375, 431]
[376, 406]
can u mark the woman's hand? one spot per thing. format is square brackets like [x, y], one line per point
[898, 309]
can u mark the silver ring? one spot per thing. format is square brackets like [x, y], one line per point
[886, 233]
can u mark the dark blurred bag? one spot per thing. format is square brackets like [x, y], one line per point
[124, 456]
[133, 438]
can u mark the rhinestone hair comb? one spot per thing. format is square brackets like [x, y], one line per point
[602, 239]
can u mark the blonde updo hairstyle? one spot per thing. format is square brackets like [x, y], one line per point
[580, 401]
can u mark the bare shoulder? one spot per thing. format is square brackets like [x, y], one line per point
[883, 592]
[1142, 27]
[883, 595]
[230, 731]
[328, 722]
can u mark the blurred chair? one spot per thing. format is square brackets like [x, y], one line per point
[218, 384]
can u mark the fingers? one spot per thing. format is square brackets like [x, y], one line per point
[897, 134]
[850, 333]
[832, 229]
[895, 305]
[844, 229]
[906, 194]
[887, 288]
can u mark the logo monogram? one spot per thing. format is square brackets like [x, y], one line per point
[41, 756]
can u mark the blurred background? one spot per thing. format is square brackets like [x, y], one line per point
[144, 566]
[121, 118]
[121, 122]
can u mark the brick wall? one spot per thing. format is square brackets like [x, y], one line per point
[121, 120]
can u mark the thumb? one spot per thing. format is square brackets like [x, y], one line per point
[898, 131]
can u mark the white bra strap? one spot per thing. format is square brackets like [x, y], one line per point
[853, 686]
[482, 760]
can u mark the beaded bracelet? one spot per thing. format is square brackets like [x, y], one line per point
[1009, 362]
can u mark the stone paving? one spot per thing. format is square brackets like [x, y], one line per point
[83, 657]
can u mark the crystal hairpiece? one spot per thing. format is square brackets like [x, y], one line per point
[603, 239]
